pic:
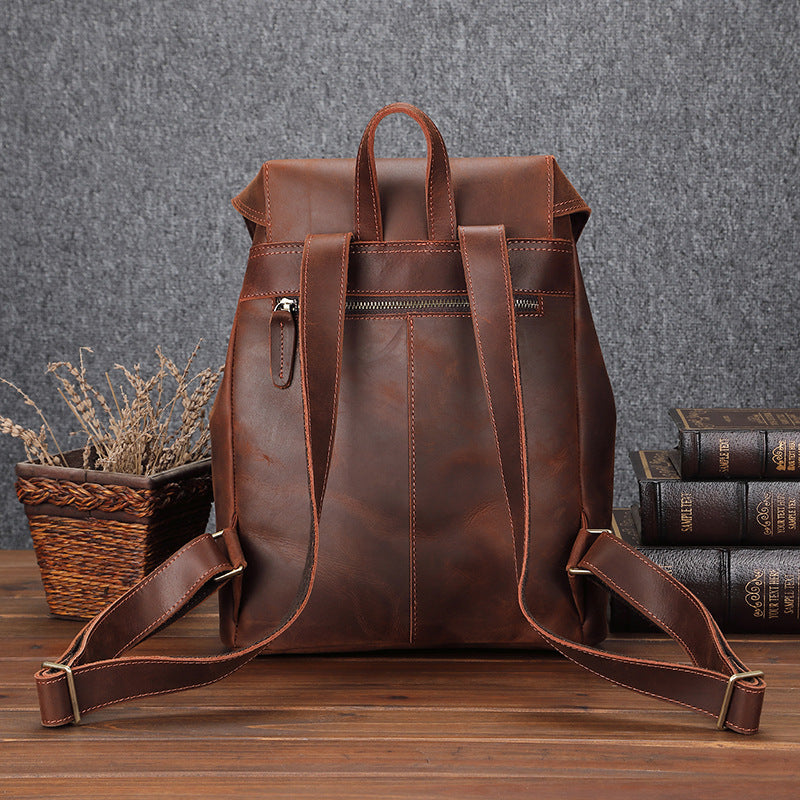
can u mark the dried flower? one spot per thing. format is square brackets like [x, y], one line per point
[143, 430]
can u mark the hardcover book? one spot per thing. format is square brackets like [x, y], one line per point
[712, 512]
[738, 442]
[746, 589]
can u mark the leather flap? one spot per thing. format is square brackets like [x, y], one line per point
[292, 198]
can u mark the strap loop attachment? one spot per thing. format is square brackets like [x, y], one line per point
[231, 573]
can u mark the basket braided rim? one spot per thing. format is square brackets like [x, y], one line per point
[107, 497]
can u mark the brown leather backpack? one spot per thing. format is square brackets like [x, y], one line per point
[414, 347]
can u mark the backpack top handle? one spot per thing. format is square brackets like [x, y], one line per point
[439, 202]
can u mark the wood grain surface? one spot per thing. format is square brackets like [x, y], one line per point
[433, 725]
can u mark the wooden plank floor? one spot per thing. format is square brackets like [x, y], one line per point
[424, 725]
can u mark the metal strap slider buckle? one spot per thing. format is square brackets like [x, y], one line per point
[73, 697]
[226, 575]
[582, 570]
[726, 700]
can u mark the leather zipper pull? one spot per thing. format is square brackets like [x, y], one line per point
[283, 341]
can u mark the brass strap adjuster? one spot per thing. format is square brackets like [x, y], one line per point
[73, 697]
[726, 700]
[583, 570]
[230, 573]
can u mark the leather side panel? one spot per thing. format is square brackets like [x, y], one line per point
[270, 476]
[597, 421]
[220, 421]
[547, 373]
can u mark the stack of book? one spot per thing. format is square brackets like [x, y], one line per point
[720, 513]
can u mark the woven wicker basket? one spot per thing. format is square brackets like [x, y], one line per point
[96, 533]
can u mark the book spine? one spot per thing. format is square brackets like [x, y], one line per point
[739, 454]
[755, 513]
[747, 590]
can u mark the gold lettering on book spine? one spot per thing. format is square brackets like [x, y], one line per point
[686, 512]
[724, 455]
[773, 594]
[764, 515]
[754, 593]
[790, 595]
[779, 456]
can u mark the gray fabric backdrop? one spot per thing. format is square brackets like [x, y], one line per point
[126, 127]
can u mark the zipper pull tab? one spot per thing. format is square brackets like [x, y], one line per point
[283, 341]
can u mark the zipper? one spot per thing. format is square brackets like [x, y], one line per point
[283, 323]
[405, 305]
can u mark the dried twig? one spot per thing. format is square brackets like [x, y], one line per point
[136, 434]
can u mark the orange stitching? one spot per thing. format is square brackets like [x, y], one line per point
[514, 369]
[271, 293]
[140, 637]
[429, 188]
[563, 207]
[479, 346]
[447, 179]
[440, 314]
[373, 179]
[572, 201]
[539, 249]
[256, 213]
[648, 613]
[699, 672]
[295, 252]
[339, 332]
[388, 248]
[114, 608]
[404, 314]
[550, 197]
[153, 575]
[280, 374]
[675, 584]
[421, 244]
[235, 336]
[160, 691]
[578, 393]
[300, 602]
[413, 484]
[267, 193]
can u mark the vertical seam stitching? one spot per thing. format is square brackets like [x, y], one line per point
[280, 374]
[578, 431]
[550, 197]
[479, 346]
[517, 382]
[339, 333]
[447, 179]
[373, 180]
[412, 455]
[266, 192]
[235, 335]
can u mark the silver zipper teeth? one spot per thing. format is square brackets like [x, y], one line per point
[398, 304]
[409, 304]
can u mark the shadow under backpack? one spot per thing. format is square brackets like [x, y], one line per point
[413, 346]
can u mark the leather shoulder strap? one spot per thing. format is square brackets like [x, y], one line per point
[717, 683]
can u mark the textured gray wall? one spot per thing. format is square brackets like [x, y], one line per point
[126, 127]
